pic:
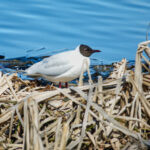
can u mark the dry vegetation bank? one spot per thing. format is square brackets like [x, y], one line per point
[110, 114]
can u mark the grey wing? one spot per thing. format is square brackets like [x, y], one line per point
[54, 66]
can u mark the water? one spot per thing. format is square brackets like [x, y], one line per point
[115, 27]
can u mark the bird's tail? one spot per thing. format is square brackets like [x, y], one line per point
[26, 73]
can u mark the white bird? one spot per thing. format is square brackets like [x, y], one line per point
[62, 67]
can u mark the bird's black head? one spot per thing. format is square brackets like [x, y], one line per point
[87, 51]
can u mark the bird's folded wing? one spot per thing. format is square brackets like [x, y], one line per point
[54, 66]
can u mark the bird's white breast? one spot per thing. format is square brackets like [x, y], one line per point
[75, 71]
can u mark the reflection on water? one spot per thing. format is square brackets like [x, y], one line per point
[115, 27]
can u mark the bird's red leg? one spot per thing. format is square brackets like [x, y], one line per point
[66, 84]
[59, 84]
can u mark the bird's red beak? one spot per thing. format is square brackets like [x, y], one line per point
[96, 51]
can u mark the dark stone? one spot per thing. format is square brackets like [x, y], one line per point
[2, 56]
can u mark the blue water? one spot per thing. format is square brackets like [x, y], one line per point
[115, 27]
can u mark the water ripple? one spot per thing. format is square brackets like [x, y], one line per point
[115, 27]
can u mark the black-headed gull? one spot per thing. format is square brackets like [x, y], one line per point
[63, 67]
